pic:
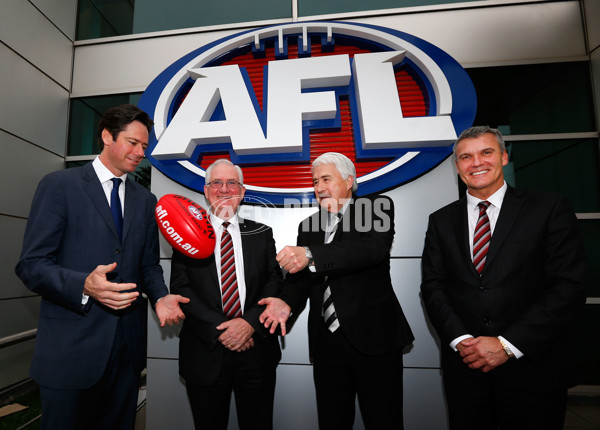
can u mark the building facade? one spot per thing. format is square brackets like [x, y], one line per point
[535, 66]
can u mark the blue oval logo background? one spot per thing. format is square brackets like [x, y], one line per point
[381, 179]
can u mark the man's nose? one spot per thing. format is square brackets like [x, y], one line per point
[139, 151]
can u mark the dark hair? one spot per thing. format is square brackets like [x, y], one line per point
[117, 118]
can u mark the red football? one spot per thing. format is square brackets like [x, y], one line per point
[185, 225]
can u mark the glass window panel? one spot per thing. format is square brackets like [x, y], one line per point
[587, 327]
[85, 117]
[588, 355]
[534, 99]
[568, 167]
[141, 175]
[591, 235]
[320, 7]
[160, 15]
[104, 18]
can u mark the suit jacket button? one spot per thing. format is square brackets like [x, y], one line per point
[118, 251]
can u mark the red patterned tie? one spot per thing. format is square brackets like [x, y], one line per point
[229, 287]
[481, 237]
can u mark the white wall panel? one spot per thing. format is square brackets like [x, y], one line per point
[167, 406]
[592, 11]
[424, 404]
[295, 402]
[295, 406]
[19, 315]
[163, 342]
[592, 18]
[14, 363]
[129, 66]
[27, 31]
[413, 202]
[32, 106]
[406, 278]
[63, 13]
[595, 61]
[24, 164]
[528, 33]
[11, 232]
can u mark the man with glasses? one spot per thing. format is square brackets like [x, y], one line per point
[223, 347]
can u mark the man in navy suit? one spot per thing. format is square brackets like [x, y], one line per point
[356, 327]
[223, 347]
[90, 268]
[503, 307]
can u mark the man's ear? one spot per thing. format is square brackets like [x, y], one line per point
[106, 137]
[350, 182]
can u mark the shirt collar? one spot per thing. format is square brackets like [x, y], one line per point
[218, 222]
[342, 211]
[495, 199]
[103, 173]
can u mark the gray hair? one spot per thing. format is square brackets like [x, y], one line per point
[342, 164]
[229, 163]
[474, 132]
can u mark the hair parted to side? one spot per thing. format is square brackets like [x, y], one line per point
[117, 118]
[229, 163]
[342, 163]
[476, 131]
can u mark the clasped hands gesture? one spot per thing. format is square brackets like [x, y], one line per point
[482, 353]
[237, 335]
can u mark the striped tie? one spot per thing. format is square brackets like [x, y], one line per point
[229, 287]
[481, 237]
[329, 315]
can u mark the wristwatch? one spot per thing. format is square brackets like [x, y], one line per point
[506, 349]
[309, 256]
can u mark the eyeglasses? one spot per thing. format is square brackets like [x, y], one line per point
[218, 184]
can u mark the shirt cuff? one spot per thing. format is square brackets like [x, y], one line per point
[514, 349]
[459, 340]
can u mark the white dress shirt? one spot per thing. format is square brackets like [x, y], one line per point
[105, 176]
[493, 211]
[236, 236]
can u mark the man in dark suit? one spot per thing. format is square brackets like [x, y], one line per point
[504, 307]
[356, 326]
[223, 347]
[90, 346]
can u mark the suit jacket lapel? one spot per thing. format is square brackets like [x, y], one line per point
[346, 219]
[461, 227]
[511, 206]
[131, 203]
[93, 188]
[246, 245]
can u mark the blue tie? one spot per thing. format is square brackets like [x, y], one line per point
[115, 206]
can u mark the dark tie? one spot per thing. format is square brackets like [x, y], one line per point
[115, 206]
[229, 287]
[331, 321]
[481, 237]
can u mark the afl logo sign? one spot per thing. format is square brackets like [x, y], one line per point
[273, 99]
